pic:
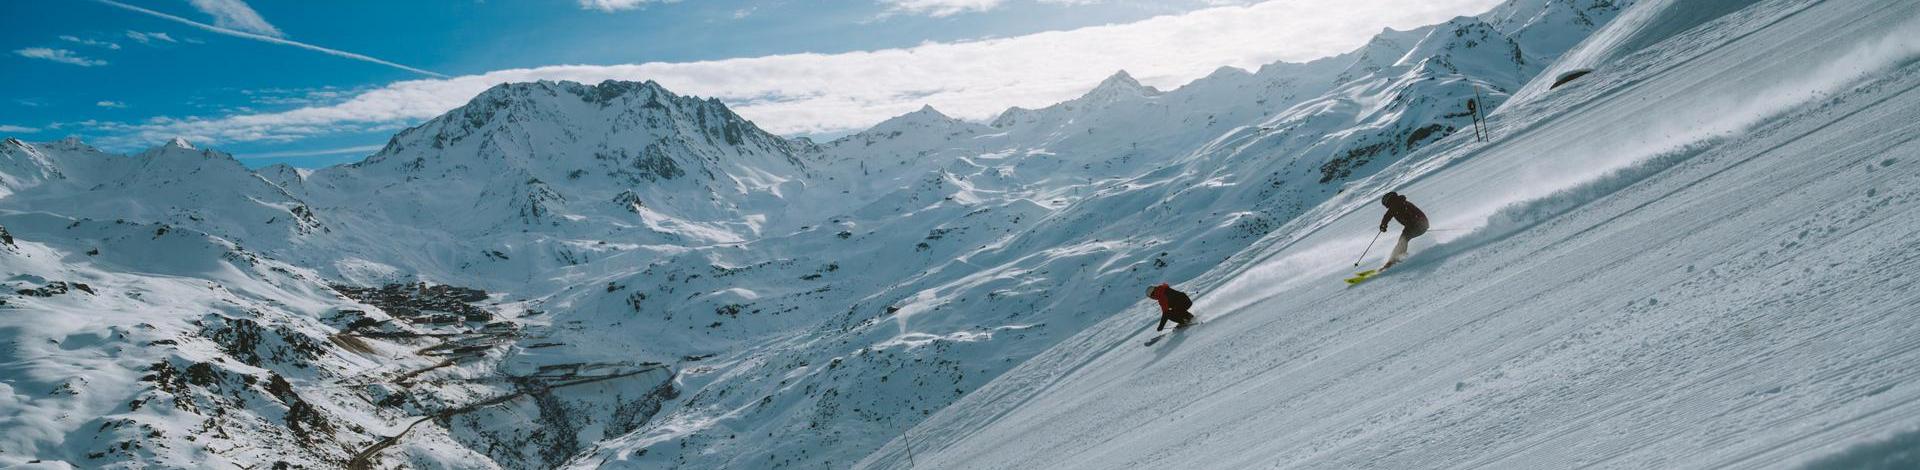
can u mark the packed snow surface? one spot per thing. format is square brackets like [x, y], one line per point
[1700, 256]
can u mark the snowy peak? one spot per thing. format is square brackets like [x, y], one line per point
[517, 153]
[22, 166]
[177, 146]
[178, 155]
[1121, 80]
[70, 144]
[926, 121]
[1548, 28]
[1572, 19]
[280, 172]
[1012, 116]
[1386, 49]
[509, 114]
[1227, 72]
[925, 115]
[560, 131]
[610, 92]
[1408, 87]
[1120, 85]
[285, 176]
[1118, 88]
[1467, 45]
[907, 137]
[172, 183]
[929, 111]
[1507, 45]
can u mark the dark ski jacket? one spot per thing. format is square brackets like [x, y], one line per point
[1402, 210]
[1173, 305]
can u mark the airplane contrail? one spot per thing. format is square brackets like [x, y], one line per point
[268, 39]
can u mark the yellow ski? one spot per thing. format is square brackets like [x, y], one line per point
[1362, 276]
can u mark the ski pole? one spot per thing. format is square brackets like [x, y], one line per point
[1363, 253]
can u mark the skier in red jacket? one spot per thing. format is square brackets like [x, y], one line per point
[1173, 305]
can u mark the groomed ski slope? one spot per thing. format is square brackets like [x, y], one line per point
[1704, 255]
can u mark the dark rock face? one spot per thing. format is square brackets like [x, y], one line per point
[260, 346]
[630, 415]
[537, 201]
[305, 222]
[306, 421]
[654, 162]
[55, 288]
[218, 394]
[1401, 140]
[630, 201]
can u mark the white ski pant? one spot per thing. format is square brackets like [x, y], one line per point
[1399, 250]
[1406, 238]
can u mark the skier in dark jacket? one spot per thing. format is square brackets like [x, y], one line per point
[1173, 305]
[1413, 224]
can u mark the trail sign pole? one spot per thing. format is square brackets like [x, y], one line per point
[1480, 129]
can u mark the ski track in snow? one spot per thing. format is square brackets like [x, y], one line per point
[1735, 290]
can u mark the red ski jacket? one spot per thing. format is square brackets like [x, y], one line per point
[1168, 304]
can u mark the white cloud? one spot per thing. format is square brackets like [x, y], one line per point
[110, 104]
[363, 149]
[1090, 2]
[939, 8]
[236, 15]
[17, 129]
[298, 96]
[263, 37]
[89, 42]
[59, 55]
[149, 38]
[618, 5]
[824, 93]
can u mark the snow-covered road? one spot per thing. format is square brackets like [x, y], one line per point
[1701, 256]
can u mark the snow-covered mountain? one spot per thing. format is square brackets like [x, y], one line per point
[1693, 257]
[141, 344]
[173, 183]
[559, 154]
[568, 275]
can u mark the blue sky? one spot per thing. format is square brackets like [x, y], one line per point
[317, 83]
